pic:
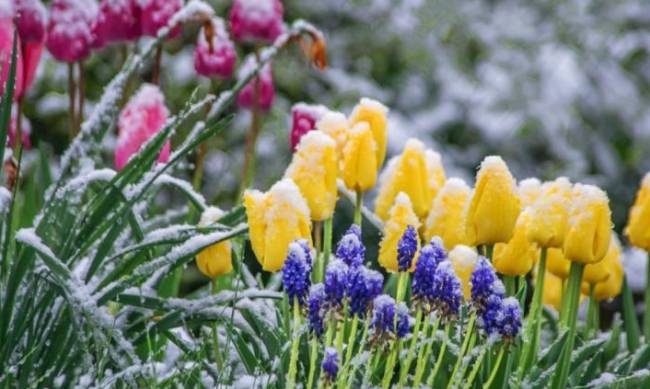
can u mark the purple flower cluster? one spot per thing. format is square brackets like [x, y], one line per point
[316, 309]
[363, 286]
[385, 323]
[336, 282]
[423, 287]
[350, 248]
[330, 364]
[406, 249]
[485, 283]
[448, 291]
[296, 272]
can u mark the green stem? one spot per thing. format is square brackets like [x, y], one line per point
[489, 248]
[423, 357]
[350, 346]
[389, 369]
[318, 245]
[509, 282]
[215, 335]
[353, 372]
[312, 362]
[592, 313]
[327, 245]
[475, 369]
[495, 369]
[439, 359]
[402, 282]
[569, 322]
[411, 350]
[293, 361]
[248, 171]
[466, 339]
[646, 315]
[72, 101]
[367, 378]
[357, 208]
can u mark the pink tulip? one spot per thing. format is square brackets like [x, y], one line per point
[262, 84]
[117, 21]
[141, 119]
[256, 20]
[26, 132]
[69, 31]
[6, 46]
[155, 14]
[215, 53]
[31, 21]
[303, 120]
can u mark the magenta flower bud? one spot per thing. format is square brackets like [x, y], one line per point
[6, 46]
[155, 14]
[31, 20]
[215, 54]
[303, 120]
[26, 132]
[262, 85]
[69, 31]
[256, 20]
[117, 21]
[141, 119]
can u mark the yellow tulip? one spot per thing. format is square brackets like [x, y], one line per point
[214, 260]
[600, 271]
[552, 291]
[529, 191]
[335, 124]
[435, 171]
[374, 113]
[550, 214]
[611, 287]
[463, 260]
[314, 169]
[557, 264]
[275, 219]
[409, 173]
[516, 258]
[447, 216]
[590, 225]
[359, 167]
[494, 206]
[638, 225]
[401, 216]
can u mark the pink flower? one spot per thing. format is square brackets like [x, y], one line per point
[31, 22]
[215, 53]
[155, 14]
[69, 31]
[26, 132]
[117, 21]
[6, 46]
[256, 20]
[141, 119]
[262, 84]
[303, 120]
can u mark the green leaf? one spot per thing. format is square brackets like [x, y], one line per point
[7, 99]
[640, 359]
[590, 371]
[586, 351]
[632, 331]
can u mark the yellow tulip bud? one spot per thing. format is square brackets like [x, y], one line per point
[638, 225]
[552, 295]
[550, 214]
[374, 113]
[314, 169]
[557, 264]
[401, 216]
[214, 260]
[275, 219]
[435, 172]
[447, 216]
[590, 225]
[463, 259]
[529, 191]
[601, 270]
[359, 168]
[516, 258]
[409, 173]
[335, 124]
[611, 287]
[494, 205]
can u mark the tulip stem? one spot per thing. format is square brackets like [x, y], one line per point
[411, 351]
[466, 339]
[18, 138]
[646, 315]
[215, 333]
[534, 322]
[569, 322]
[495, 369]
[293, 359]
[440, 358]
[72, 95]
[82, 95]
[477, 364]
[312, 362]
[592, 313]
[489, 250]
[350, 376]
[327, 245]
[423, 357]
[248, 173]
[511, 288]
[357, 208]
[155, 72]
[318, 245]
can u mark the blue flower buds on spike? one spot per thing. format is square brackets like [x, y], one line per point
[316, 309]
[350, 248]
[485, 283]
[336, 282]
[490, 315]
[510, 318]
[404, 321]
[406, 249]
[448, 291]
[422, 286]
[363, 286]
[330, 365]
[296, 273]
[383, 314]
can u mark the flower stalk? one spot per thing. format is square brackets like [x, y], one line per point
[293, 360]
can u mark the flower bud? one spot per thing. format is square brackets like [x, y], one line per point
[611, 287]
[156, 14]
[335, 124]
[401, 217]
[261, 87]
[117, 21]
[303, 120]
[275, 219]
[550, 214]
[516, 258]
[590, 225]
[557, 264]
[638, 225]
[296, 272]
[463, 259]
[599, 272]
[69, 31]
[447, 216]
[529, 191]
[314, 170]
[359, 165]
[374, 113]
[215, 54]
[31, 20]
[215, 260]
[494, 205]
[259, 20]
[552, 294]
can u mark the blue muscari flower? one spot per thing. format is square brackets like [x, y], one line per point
[363, 286]
[404, 321]
[485, 283]
[422, 286]
[330, 364]
[350, 248]
[309, 256]
[406, 249]
[336, 282]
[383, 314]
[296, 273]
[490, 315]
[316, 309]
[509, 324]
[448, 291]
